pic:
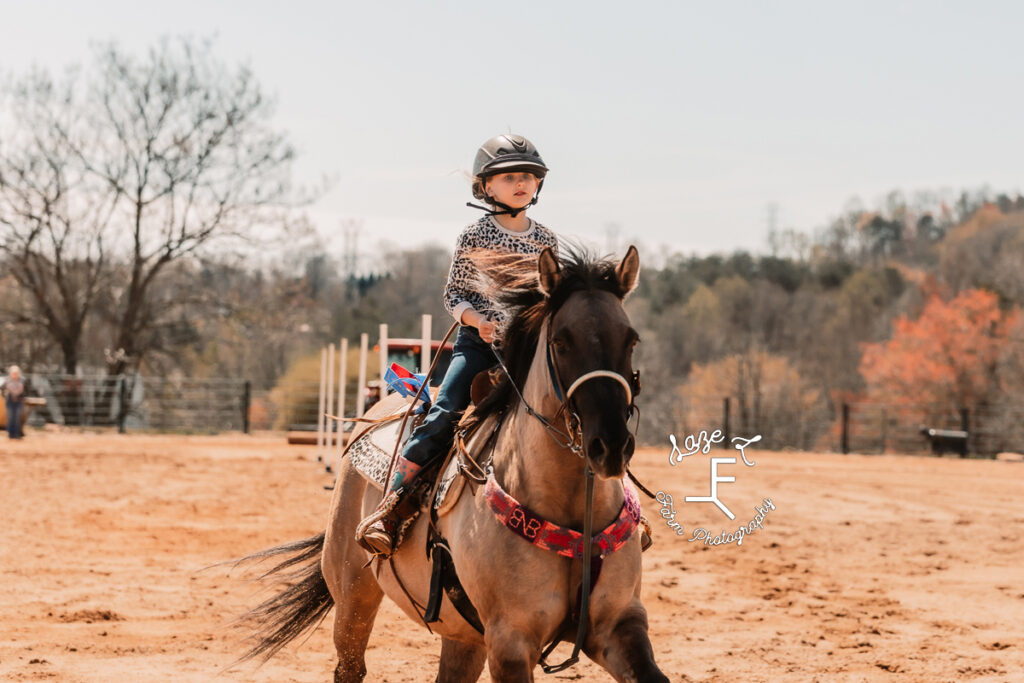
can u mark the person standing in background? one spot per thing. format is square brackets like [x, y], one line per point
[14, 398]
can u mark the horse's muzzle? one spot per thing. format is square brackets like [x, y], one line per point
[609, 461]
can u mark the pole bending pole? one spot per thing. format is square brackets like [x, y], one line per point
[364, 343]
[320, 407]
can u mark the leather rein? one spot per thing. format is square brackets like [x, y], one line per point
[571, 439]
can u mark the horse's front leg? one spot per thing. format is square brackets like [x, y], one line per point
[511, 656]
[626, 650]
[460, 662]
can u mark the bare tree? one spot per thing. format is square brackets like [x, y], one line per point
[156, 160]
[52, 218]
[188, 146]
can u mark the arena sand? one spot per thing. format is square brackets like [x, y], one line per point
[869, 568]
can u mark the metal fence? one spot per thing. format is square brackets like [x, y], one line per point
[880, 428]
[134, 402]
[780, 425]
[215, 405]
[289, 405]
[857, 427]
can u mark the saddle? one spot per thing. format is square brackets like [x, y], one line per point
[371, 456]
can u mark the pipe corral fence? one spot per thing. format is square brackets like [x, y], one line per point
[859, 427]
[307, 408]
[208, 405]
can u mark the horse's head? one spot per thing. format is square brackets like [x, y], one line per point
[591, 343]
[568, 332]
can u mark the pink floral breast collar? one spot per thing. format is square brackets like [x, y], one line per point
[560, 539]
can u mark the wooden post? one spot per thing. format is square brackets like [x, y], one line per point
[246, 405]
[845, 439]
[342, 378]
[364, 343]
[329, 410]
[965, 425]
[885, 428]
[122, 408]
[725, 421]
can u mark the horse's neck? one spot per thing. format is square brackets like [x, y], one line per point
[534, 469]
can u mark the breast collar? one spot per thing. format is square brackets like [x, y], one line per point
[557, 538]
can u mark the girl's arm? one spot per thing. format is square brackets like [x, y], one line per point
[456, 290]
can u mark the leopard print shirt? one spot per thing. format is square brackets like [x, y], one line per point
[461, 291]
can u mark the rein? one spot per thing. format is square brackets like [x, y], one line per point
[419, 609]
[573, 440]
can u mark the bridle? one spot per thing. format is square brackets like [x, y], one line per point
[572, 437]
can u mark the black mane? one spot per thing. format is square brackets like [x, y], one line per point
[527, 308]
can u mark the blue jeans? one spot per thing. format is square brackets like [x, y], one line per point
[14, 419]
[433, 437]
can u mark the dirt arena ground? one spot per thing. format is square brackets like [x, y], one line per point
[870, 568]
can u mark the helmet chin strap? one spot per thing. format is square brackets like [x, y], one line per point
[506, 209]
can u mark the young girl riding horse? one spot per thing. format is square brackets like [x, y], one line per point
[508, 174]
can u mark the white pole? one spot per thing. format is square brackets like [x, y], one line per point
[364, 343]
[383, 359]
[425, 344]
[328, 422]
[342, 376]
[320, 408]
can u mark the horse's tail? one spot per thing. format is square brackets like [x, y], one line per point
[298, 608]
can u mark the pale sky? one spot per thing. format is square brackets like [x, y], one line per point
[679, 122]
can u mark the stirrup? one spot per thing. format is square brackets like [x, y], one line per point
[378, 540]
[382, 531]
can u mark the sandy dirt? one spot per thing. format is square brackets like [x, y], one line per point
[870, 568]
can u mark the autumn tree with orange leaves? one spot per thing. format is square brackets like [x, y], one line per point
[948, 356]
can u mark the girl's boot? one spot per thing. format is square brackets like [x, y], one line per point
[379, 532]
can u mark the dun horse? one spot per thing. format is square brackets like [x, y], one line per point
[562, 405]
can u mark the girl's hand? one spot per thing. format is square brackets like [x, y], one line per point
[487, 330]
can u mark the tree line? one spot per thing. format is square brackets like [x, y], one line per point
[136, 193]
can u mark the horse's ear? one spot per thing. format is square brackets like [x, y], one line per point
[628, 272]
[548, 271]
